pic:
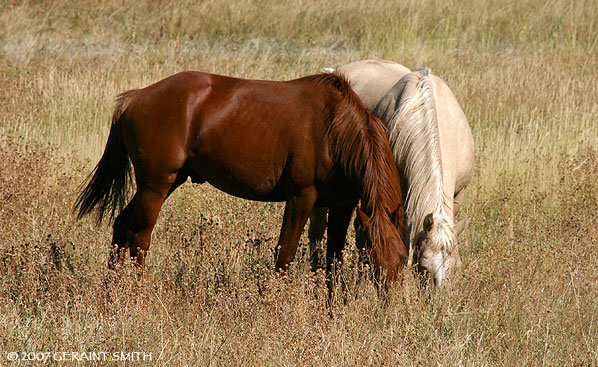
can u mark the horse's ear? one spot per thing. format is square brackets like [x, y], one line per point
[428, 222]
[461, 226]
[363, 218]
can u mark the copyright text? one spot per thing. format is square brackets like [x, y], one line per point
[79, 356]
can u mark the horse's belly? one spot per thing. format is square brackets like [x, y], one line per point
[249, 192]
[250, 183]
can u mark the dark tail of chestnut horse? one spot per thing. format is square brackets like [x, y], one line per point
[108, 184]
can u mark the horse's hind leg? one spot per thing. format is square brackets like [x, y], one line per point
[119, 234]
[296, 213]
[147, 206]
[149, 200]
[133, 226]
[315, 232]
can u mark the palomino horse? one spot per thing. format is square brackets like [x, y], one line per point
[309, 142]
[433, 149]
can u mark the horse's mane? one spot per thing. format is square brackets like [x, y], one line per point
[415, 141]
[358, 143]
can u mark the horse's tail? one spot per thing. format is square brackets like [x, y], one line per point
[107, 185]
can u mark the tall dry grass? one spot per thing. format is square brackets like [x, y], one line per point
[524, 72]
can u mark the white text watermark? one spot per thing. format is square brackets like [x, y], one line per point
[79, 356]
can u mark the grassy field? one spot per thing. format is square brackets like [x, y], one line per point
[526, 75]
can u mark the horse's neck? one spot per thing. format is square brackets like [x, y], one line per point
[415, 136]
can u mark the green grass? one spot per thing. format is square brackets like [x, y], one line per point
[525, 74]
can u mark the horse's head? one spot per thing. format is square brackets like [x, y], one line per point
[437, 249]
[392, 254]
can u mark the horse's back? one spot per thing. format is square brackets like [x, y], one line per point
[246, 137]
[190, 105]
[371, 79]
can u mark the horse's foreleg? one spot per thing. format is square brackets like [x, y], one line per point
[296, 213]
[315, 232]
[362, 241]
[338, 223]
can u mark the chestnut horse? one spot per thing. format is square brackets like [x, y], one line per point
[309, 142]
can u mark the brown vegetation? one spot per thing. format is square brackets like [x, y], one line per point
[525, 74]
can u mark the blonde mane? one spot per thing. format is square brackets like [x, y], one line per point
[414, 139]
